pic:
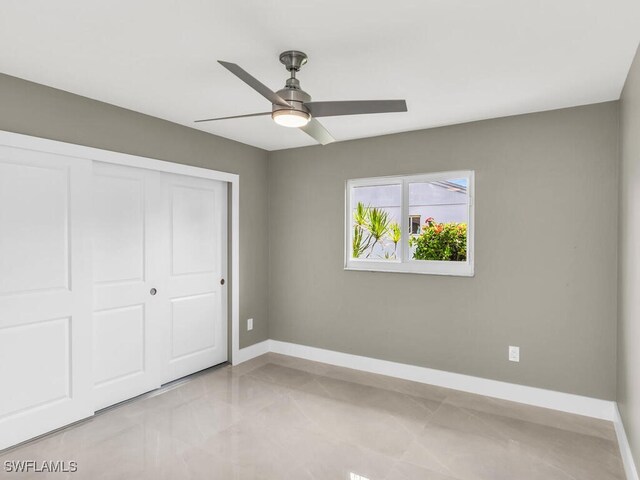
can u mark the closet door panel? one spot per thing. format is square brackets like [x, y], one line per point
[45, 292]
[196, 251]
[126, 316]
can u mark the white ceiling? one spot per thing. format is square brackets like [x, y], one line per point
[452, 60]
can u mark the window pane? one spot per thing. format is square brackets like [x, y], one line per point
[376, 232]
[443, 208]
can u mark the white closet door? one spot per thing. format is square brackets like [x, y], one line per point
[195, 254]
[127, 318]
[45, 293]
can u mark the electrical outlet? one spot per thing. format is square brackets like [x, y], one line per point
[250, 324]
[514, 354]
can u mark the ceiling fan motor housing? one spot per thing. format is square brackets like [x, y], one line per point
[295, 97]
[293, 60]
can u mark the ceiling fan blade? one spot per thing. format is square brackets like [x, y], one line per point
[235, 116]
[320, 134]
[254, 83]
[355, 107]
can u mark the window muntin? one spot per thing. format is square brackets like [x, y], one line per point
[441, 244]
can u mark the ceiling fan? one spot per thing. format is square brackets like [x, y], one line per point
[292, 106]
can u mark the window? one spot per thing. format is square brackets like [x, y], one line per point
[413, 224]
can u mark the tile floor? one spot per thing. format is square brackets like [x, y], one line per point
[277, 417]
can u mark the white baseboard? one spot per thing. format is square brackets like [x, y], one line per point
[625, 450]
[252, 351]
[565, 402]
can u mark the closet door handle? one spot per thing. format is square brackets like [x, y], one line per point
[222, 281]
[153, 291]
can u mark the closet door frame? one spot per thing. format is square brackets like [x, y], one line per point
[105, 156]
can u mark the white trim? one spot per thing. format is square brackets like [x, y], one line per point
[89, 153]
[79, 151]
[404, 264]
[235, 269]
[252, 351]
[625, 450]
[564, 402]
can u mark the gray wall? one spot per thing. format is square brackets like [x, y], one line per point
[33, 109]
[546, 252]
[629, 280]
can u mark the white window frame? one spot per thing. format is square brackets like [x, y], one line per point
[406, 264]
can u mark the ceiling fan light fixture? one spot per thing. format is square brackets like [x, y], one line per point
[291, 118]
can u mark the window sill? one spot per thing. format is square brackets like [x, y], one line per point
[462, 269]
